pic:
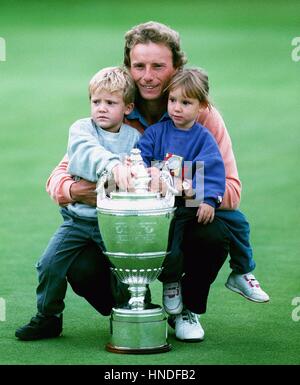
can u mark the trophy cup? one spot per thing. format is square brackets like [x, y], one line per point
[135, 229]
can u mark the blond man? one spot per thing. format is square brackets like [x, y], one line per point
[153, 55]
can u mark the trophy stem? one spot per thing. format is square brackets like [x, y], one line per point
[137, 300]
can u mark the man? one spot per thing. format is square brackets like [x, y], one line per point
[153, 56]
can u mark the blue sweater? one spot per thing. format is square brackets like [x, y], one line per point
[195, 145]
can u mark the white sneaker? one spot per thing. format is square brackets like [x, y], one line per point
[187, 327]
[248, 286]
[172, 298]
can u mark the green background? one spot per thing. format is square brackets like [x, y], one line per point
[52, 50]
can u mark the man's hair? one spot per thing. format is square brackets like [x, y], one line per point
[113, 79]
[155, 33]
[194, 84]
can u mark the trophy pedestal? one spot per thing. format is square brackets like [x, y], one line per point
[138, 331]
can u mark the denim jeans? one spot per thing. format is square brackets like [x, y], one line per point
[240, 250]
[65, 245]
[241, 256]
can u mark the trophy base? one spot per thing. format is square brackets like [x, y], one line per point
[116, 349]
[138, 331]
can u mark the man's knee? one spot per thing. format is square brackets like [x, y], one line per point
[87, 267]
[214, 234]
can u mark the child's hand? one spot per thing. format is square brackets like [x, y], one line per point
[156, 184]
[155, 179]
[122, 176]
[205, 213]
[187, 186]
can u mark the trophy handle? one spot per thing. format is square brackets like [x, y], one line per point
[100, 187]
[166, 177]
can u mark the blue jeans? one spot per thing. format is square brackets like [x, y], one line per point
[66, 244]
[240, 250]
[200, 269]
[238, 230]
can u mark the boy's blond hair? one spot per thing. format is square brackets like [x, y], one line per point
[158, 33]
[194, 84]
[113, 79]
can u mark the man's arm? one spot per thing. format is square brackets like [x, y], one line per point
[211, 119]
[64, 190]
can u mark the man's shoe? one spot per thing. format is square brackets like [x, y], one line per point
[40, 327]
[248, 286]
[172, 298]
[187, 326]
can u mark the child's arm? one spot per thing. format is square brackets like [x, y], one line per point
[146, 145]
[208, 179]
[87, 158]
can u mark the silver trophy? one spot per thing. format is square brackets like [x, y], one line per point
[135, 229]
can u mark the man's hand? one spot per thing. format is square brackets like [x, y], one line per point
[205, 213]
[83, 191]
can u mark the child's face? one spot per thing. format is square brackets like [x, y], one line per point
[108, 109]
[182, 110]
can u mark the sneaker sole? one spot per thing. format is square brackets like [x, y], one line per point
[35, 338]
[176, 311]
[232, 288]
[171, 323]
[191, 340]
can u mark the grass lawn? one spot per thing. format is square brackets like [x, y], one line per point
[52, 50]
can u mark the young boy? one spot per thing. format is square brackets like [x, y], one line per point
[183, 142]
[94, 145]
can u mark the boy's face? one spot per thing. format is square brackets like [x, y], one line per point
[108, 109]
[151, 66]
[182, 110]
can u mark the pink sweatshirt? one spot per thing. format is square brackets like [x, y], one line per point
[59, 182]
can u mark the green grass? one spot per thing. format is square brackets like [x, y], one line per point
[53, 48]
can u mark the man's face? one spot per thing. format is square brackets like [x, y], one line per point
[151, 66]
[108, 109]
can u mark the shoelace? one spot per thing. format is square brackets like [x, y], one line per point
[35, 320]
[171, 291]
[189, 316]
[253, 282]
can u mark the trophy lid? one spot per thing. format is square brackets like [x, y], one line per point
[141, 199]
[133, 202]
